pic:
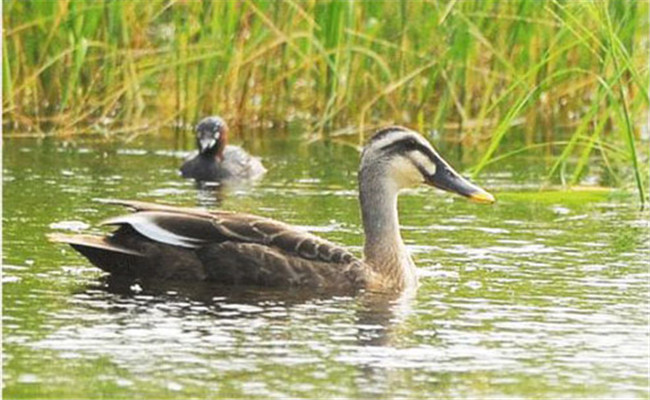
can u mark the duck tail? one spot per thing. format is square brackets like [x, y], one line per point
[110, 257]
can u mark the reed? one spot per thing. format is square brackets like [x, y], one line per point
[565, 72]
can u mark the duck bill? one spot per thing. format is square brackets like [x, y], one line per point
[447, 179]
[207, 140]
[205, 144]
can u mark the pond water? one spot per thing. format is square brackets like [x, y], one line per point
[543, 294]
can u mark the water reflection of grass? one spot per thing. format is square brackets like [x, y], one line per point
[470, 70]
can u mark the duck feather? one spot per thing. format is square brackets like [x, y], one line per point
[194, 228]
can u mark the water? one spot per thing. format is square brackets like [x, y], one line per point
[543, 295]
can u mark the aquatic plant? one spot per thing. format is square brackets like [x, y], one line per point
[568, 78]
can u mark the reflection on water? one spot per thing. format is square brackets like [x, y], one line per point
[541, 295]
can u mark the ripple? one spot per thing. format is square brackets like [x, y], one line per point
[72, 226]
[523, 299]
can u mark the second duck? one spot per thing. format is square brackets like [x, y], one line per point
[216, 160]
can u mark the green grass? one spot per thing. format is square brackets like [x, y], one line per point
[470, 70]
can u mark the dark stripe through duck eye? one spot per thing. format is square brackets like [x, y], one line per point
[407, 145]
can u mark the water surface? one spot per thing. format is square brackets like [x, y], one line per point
[544, 294]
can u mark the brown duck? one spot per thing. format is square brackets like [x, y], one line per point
[165, 242]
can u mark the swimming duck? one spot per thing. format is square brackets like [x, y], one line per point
[164, 242]
[217, 161]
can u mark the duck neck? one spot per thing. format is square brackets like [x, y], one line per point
[384, 249]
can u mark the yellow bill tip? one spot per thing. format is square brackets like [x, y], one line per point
[482, 197]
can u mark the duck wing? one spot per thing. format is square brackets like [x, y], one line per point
[194, 228]
[186, 243]
[250, 263]
[240, 164]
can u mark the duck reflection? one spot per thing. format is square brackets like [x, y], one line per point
[371, 317]
[210, 195]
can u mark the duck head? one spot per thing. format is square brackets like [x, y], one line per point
[211, 136]
[402, 158]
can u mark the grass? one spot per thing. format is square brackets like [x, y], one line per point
[470, 70]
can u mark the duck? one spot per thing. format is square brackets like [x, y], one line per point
[164, 242]
[217, 161]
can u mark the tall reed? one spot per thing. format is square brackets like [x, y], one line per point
[470, 70]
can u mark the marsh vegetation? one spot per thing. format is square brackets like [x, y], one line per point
[573, 76]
